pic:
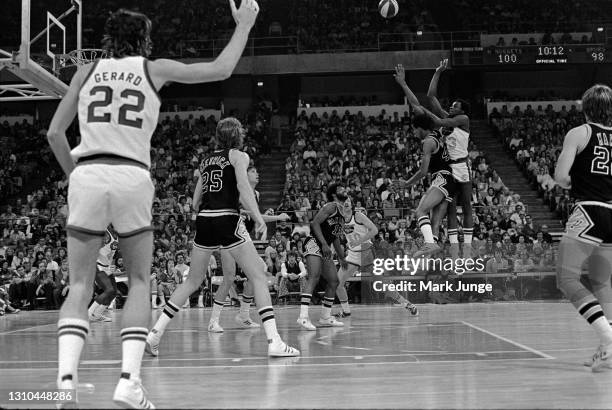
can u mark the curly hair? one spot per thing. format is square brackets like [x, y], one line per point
[127, 33]
[229, 133]
[597, 104]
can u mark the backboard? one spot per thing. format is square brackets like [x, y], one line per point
[47, 28]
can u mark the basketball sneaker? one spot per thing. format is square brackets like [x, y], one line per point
[129, 394]
[71, 402]
[246, 322]
[214, 327]
[278, 348]
[342, 314]
[426, 250]
[602, 358]
[330, 322]
[306, 323]
[99, 318]
[152, 344]
[413, 309]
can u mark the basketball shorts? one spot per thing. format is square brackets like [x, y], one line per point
[312, 247]
[590, 222]
[220, 230]
[445, 182]
[361, 258]
[101, 194]
[461, 171]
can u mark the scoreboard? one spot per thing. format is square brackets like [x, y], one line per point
[557, 54]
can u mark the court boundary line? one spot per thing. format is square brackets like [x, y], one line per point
[296, 365]
[505, 339]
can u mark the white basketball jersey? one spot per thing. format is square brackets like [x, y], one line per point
[457, 143]
[118, 110]
[354, 232]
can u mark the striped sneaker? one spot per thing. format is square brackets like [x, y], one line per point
[278, 348]
[246, 322]
[413, 309]
[129, 394]
[214, 327]
[602, 358]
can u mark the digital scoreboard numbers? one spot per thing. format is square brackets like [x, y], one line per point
[532, 55]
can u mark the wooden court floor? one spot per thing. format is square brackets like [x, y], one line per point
[495, 355]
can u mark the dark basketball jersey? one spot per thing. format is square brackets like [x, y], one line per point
[333, 226]
[590, 173]
[249, 222]
[440, 159]
[219, 188]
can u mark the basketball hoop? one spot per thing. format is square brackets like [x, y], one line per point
[78, 57]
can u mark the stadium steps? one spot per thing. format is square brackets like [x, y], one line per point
[512, 176]
[272, 178]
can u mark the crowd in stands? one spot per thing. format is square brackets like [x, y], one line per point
[374, 157]
[534, 136]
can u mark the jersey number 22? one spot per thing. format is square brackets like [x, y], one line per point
[123, 110]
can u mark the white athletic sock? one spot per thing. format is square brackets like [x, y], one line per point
[71, 336]
[133, 341]
[425, 226]
[245, 305]
[467, 235]
[326, 307]
[216, 310]
[593, 313]
[304, 303]
[170, 310]
[93, 309]
[453, 237]
[154, 300]
[269, 323]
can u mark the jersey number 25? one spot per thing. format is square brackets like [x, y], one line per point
[123, 110]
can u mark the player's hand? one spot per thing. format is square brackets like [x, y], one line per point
[284, 217]
[261, 227]
[443, 66]
[326, 251]
[400, 74]
[246, 15]
[343, 263]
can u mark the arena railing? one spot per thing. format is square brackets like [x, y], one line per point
[417, 40]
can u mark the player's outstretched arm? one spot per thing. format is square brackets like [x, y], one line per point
[428, 148]
[574, 142]
[64, 115]
[400, 77]
[163, 71]
[432, 92]
[461, 120]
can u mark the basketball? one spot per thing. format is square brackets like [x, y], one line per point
[388, 8]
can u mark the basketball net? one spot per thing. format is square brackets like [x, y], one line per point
[78, 57]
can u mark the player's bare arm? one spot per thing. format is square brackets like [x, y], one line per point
[64, 115]
[432, 92]
[197, 195]
[460, 120]
[574, 142]
[400, 77]
[428, 149]
[315, 227]
[164, 71]
[340, 251]
[240, 161]
[372, 228]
